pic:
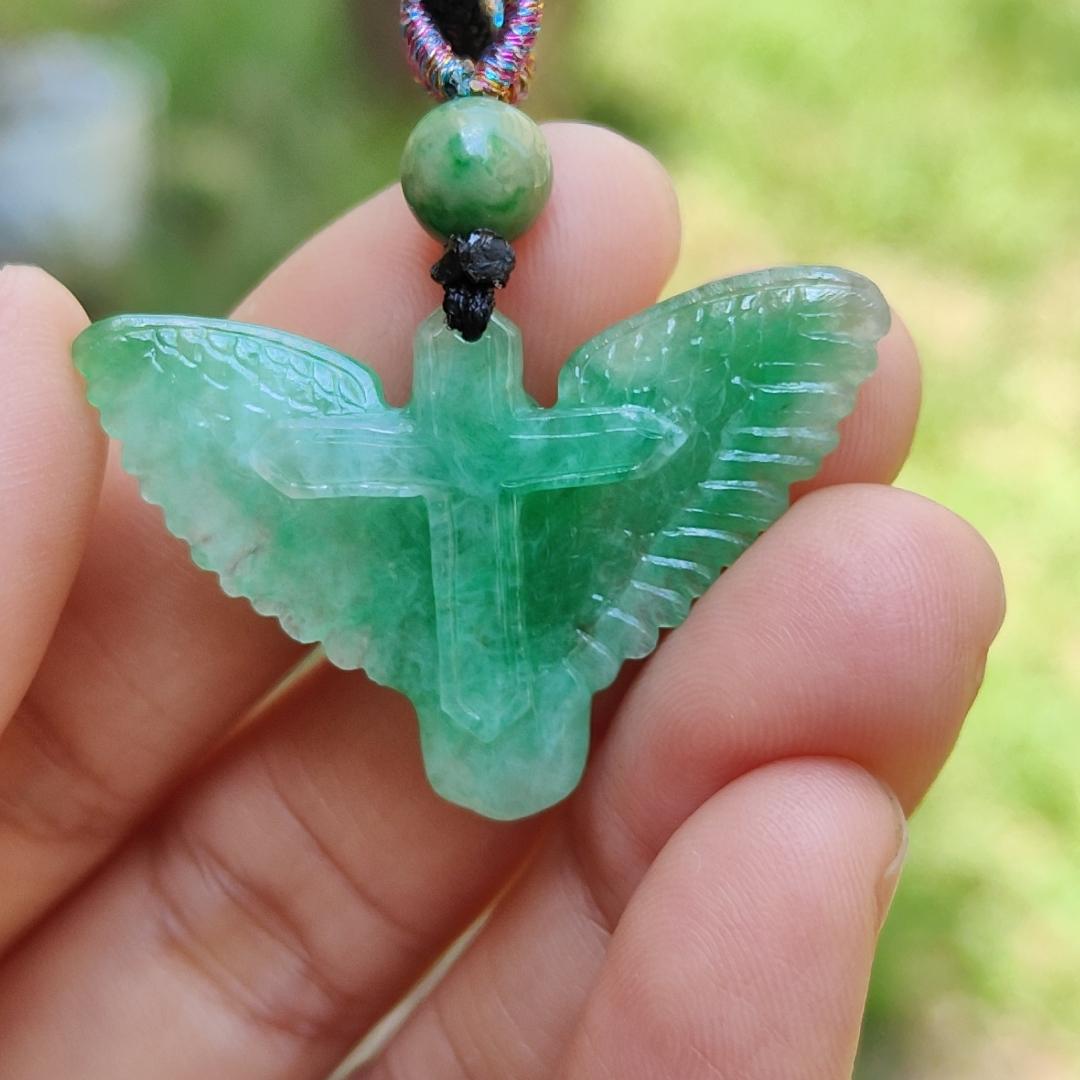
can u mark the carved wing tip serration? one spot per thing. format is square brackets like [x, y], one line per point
[276, 363]
[219, 371]
[779, 356]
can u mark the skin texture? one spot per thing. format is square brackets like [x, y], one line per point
[195, 885]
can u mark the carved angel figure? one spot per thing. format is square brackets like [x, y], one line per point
[495, 561]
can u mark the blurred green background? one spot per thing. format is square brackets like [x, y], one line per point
[933, 144]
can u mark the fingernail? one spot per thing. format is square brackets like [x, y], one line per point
[890, 878]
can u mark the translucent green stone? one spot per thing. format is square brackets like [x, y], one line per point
[476, 163]
[494, 560]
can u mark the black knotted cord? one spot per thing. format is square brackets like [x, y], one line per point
[470, 271]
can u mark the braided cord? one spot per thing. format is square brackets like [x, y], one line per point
[500, 69]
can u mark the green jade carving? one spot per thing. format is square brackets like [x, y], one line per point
[494, 560]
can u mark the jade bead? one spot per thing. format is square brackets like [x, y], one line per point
[476, 163]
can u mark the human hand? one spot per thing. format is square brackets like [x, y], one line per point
[185, 895]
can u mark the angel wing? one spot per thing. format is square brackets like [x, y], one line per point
[759, 370]
[192, 402]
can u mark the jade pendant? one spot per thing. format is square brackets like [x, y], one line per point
[495, 561]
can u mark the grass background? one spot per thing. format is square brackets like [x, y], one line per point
[934, 144]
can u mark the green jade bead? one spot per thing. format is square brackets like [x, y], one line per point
[476, 163]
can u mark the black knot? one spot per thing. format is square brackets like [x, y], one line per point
[470, 271]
